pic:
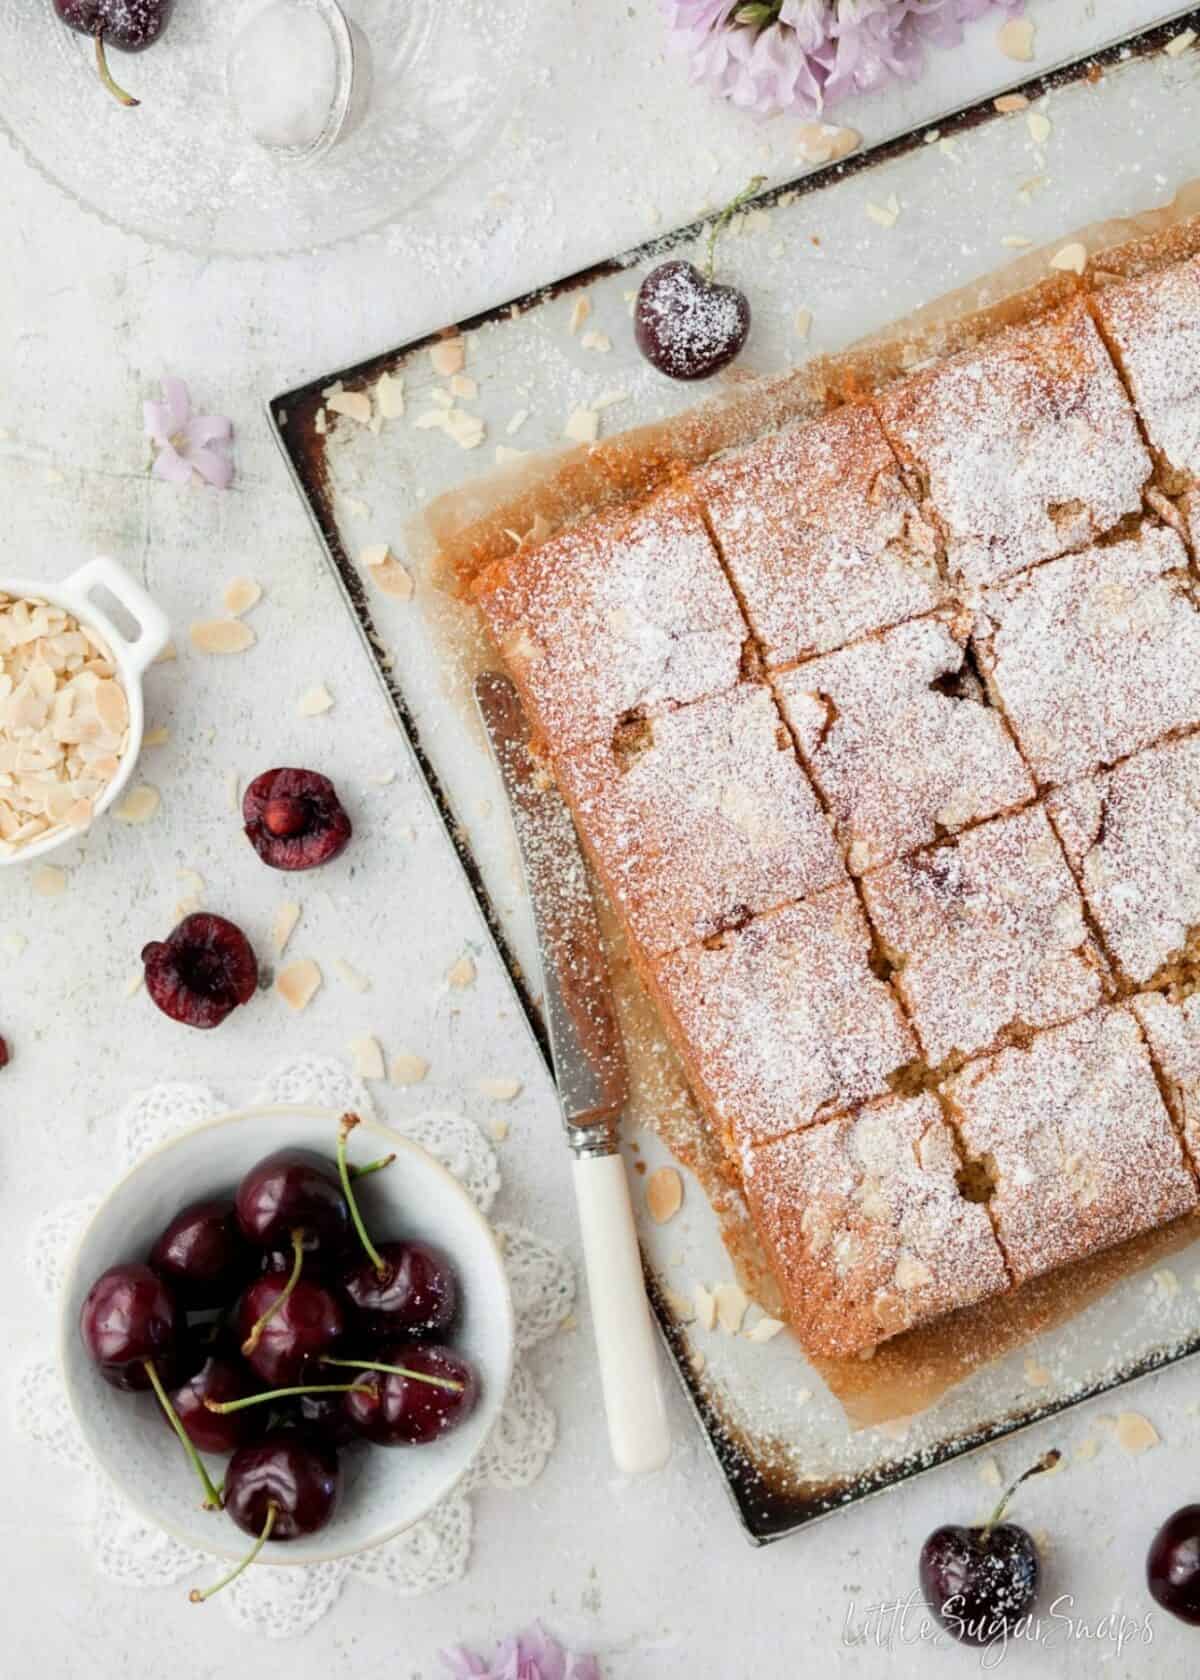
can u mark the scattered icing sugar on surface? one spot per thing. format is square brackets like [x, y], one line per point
[820, 536]
[1096, 654]
[1076, 1139]
[896, 756]
[1154, 324]
[1133, 838]
[867, 1229]
[781, 1023]
[703, 816]
[987, 933]
[1173, 1033]
[627, 613]
[1027, 448]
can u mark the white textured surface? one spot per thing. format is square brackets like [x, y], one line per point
[654, 1575]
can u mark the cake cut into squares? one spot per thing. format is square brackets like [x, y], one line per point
[1095, 655]
[820, 536]
[900, 739]
[988, 936]
[1153, 323]
[781, 1023]
[1025, 447]
[867, 1228]
[700, 817]
[1133, 839]
[1075, 1140]
[1173, 1033]
[624, 613]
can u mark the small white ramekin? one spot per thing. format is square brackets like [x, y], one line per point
[76, 594]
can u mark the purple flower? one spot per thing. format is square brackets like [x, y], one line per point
[185, 440]
[532, 1655]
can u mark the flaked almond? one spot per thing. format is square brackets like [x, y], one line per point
[315, 701]
[139, 806]
[681, 1309]
[350, 976]
[583, 425]
[581, 308]
[449, 356]
[241, 593]
[499, 1130]
[886, 214]
[299, 983]
[49, 882]
[1179, 44]
[819, 142]
[597, 341]
[499, 1090]
[391, 578]
[1015, 39]
[464, 387]
[355, 405]
[1135, 1433]
[1072, 258]
[664, 1194]
[287, 918]
[169, 653]
[732, 1302]
[706, 1307]
[389, 395]
[408, 1069]
[1015, 241]
[1007, 103]
[461, 974]
[1039, 127]
[222, 635]
[156, 737]
[367, 1057]
[764, 1329]
[802, 324]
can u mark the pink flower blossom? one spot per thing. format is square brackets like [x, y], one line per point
[184, 440]
[531, 1655]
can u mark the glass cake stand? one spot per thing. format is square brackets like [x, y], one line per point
[412, 88]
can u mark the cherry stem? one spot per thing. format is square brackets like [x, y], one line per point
[394, 1371]
[349, 1121]
[255, 1336]
[212, 1497]
[198, 1597]
[106, 75]
[1048, 1461]
[724, 219]
[224, 1406]
[371, 1167]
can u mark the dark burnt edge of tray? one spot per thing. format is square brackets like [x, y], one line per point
[765, 1510]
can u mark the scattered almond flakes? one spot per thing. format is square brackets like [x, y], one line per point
[732, 1302]
[697, 1362]
[408, 1069]
[499, 1130]
[1072, 258]
[580, 310]
[449, 356]
[391, 578]
[680, 1308]
[168, 653]
[222, 635]
[1036, 1375]
[803, 1396]
[299, 983]
[350, 976]
[461, 974]
[1179, 44]
[803, 322]
[284, 926]
[583, 425]
[193, 898]
[355, 405]
[374, 554]
[516, 422]
[597, 341]
[241, 594]
[706, 1306]
[320, 424]
[135, 982]
[1015, 241]
[389, 395]
[315, 701]
[139, 806]
[157, 737]
[1039, 127]
[367, 1057]
[664, 1194]
[464, 387]
[765, 1330]
[989, 1473]
[1135, 1433]
[49, 882]
[1015, 39]
[884, 214]
[499, 1090]
[826, 143]
[1009, 102]
[1166, 1282]
[466, 430]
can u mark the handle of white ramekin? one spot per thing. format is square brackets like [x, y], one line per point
[625, 1342]
[153, 625]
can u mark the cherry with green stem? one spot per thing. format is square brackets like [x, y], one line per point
[280, 1300]
[349, 1122]
[372, 1167]
[212, 1497]
[196, 1596]
[364, 1365]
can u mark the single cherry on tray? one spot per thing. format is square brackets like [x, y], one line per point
[294, 819]
[131, 25]
[202, 1255]
[1173, 1565]
[202, 971]
[980, 1581]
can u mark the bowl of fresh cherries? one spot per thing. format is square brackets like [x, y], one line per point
[286, 1335]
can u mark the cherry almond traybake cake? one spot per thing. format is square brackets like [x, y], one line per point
[882, 733]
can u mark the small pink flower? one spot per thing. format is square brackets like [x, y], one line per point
[185, 440]
[531, 1655]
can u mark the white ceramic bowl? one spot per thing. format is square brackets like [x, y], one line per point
[75, 594]
[388, 1489]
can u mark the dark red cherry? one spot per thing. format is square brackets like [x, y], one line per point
[309, 1323]
[128, 1318]
[1173, 1565]
[323, 1416]
[5, 1054]
[293, 1190]
[202, 1255]
[401, 1411]
[132, 25]
[202, 971]
[294, 819]
[685, 324]
[416, 1294]
[208, 1431]
[300, 1477]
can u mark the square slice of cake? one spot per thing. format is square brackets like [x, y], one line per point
[820, 536]
[901, 740]
[1096, 654]
[700, 817]
[781, 1023]
[1173, 1033]
[988, 936]
[627, 613]
[1153, 324]
[867, 1229]
[1075, 1140]
[1025, 448]
[1133, 838]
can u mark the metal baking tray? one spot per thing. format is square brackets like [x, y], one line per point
[1122, 123]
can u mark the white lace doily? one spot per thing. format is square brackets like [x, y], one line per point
[280, 1603]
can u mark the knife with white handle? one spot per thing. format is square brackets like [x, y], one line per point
[593, 1082]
